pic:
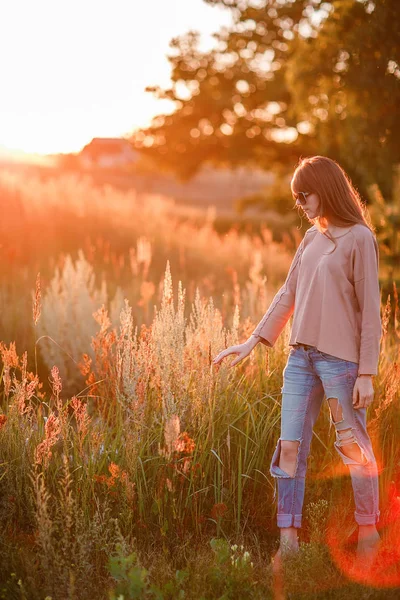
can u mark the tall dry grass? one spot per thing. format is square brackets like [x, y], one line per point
[158, 451]
[94, 246]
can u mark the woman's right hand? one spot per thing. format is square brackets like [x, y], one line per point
[242, 350]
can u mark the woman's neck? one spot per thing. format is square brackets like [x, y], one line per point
[336, 229]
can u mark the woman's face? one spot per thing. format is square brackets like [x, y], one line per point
[311, 206]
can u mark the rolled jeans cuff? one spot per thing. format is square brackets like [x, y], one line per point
[367, 519]
[288, 520]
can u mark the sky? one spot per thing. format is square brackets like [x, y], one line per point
[71, 70]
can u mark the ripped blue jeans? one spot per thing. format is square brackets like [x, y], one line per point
[308, 376]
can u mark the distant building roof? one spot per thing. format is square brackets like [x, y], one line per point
[100, 146]
[108, 152]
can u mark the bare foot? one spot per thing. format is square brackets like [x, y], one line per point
[287, 547]
[289, 544]
[368, 546]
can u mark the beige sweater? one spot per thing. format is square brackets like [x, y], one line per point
[335, 298]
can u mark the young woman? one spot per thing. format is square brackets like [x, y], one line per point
[332, 288]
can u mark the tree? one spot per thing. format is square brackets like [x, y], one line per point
[346, 83]
[292, 78]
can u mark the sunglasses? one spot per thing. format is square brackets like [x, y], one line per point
[301, 197]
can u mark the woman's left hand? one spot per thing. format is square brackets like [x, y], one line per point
[363, 392]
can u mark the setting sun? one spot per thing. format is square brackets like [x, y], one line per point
[73, 70]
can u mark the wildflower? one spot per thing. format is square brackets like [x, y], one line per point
[100, 478]
[56, 383]
[52, 432]
[141, 391]
[218, 510]
[81, 416]
[85, 364]
[34, 387]
[116, 475]
[186, 464]
[82, 419]
[10, 360]
[3, 420]
[37, 300]
[23, 391]
[91, 382]
[101, 317]
[171, 433]
[185, 443]
[129, 487]
[114, 470]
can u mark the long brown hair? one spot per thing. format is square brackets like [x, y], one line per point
[340, 202]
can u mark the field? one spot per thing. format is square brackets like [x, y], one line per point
[131, 467]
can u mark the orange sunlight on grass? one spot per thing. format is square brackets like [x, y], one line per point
[117, 432]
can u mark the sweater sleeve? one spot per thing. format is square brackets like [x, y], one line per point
[366, 285]
[282, 305]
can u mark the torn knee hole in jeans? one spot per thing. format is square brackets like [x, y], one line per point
[289, 461]
[335, 410]
[345, 437]
[350, 446]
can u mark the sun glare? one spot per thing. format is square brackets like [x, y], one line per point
[78, 70]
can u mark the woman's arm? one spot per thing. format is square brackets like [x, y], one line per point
[282, 306]
[366, 285]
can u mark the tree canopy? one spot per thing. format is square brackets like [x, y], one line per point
[291, 78]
